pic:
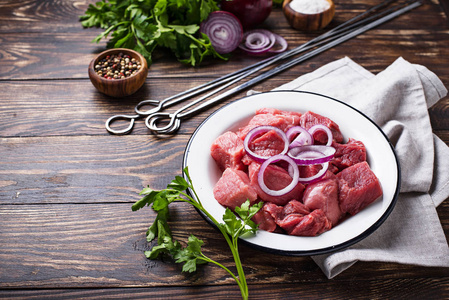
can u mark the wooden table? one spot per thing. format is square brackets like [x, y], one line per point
[67, 186]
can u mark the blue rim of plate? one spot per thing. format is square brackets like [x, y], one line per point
[319, 251]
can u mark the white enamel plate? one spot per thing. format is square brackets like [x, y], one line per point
[353, 124]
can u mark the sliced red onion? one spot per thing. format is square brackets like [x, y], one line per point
[259, 41]
[256, 131]
[317, 127]
[304, 137]
[282, 44]
[317, 176]
[288, 188]
[224, 31]
[311, 154]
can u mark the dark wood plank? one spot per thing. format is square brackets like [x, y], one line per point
[86, 169]
[73, 52]
[101, 245]
[385, 289]
[71, 108]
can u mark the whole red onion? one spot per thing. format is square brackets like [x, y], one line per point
[250, 12]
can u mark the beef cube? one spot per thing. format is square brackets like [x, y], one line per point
[348, 154]
[358, 187]
[227, 151]
[265, 220]
[282, 121]
[323, 195]
[268, 144]
[295, 207]
[312, 224]
[234, 188]
[276, 178]
[310, 119]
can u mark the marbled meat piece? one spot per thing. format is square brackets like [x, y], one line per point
[228, 151]
[348, 154]
[358, 187]
[234, 188]
[276, 178]
[323, 195]
[310, 119]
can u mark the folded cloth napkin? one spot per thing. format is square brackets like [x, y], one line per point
[397, 99]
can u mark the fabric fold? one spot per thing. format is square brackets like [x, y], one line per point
[397, 99]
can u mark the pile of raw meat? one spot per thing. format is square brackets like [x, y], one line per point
[347, 187]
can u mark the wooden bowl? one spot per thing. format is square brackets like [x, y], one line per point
[308, 22]
[119, 87]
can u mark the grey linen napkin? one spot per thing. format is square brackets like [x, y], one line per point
[397, 99]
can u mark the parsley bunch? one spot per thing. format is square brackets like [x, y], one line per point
[143, 25]
[191, 255]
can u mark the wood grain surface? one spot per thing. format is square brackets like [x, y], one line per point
[67, 186]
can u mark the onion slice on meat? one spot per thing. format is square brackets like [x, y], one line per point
[317, 176]
[259, 41]
[324, 128]
[293, 170]
[257, 131]
[224, 31]
[303, 138]
[311, 154]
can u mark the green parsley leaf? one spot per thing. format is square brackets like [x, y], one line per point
[144, 25]
[234, 227]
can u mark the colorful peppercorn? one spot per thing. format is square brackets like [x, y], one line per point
[117, 66]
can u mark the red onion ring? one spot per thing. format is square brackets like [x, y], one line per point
[259, 41]
[311, 154]
[304, 137]
[288, 188]
[224, 30]
[317, 127]
[257, 131]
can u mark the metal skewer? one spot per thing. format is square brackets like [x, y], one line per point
[174, 118]
[242, 73]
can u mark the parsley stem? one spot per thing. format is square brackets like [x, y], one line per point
[232, 243]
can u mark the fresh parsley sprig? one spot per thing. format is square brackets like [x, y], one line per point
[191, 255]
[144, 25]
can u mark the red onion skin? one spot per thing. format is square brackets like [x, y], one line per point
[250, 12]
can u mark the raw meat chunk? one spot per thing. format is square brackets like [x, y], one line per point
[268, 144]
[324, 195]
[309, 119]
[265, 220]
[298, 220]
[358, 187]
[276, 178]
[227, 151]
[293, 114]
[348, 154]
[234, 188]
[295, 207]
[283, 121]
[312, 224]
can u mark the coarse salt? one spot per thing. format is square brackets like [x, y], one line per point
[309, 6]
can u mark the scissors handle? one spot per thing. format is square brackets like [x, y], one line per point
[130, 118]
